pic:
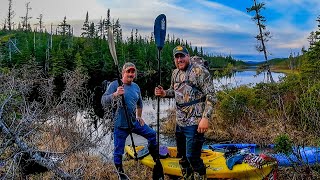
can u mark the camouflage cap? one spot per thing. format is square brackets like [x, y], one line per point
[180, 49]
[128, 65]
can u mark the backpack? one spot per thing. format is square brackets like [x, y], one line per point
[98, 91]
[199, 60]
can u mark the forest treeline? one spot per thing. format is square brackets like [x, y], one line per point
[57, 51]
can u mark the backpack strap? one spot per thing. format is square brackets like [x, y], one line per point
[181, 105]
[187, 81]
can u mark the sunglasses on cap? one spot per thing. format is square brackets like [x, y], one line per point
[130, 70]
[179, 55]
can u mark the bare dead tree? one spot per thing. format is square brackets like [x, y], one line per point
[263, 35]
[10, 16]
[25, 19]
[40, 23]
[53, 132]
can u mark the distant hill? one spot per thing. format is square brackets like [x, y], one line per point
[252, 63]
[275, 61]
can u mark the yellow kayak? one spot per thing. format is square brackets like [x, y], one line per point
[215, 163]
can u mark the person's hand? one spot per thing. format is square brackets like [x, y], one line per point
[203, 125]
[159, 91]
[141, 121]
[120, 91]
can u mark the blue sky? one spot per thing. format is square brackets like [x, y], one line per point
[219, 26]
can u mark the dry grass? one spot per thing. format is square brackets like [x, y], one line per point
[261, 132]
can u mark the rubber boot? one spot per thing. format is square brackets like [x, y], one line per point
[157, 169]
[153, 152]
[197, 176]
[119, 168]
[201, 175]
[186, 169]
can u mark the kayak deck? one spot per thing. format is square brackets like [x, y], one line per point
[214, 161]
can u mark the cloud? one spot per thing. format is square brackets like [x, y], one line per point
[218, 27]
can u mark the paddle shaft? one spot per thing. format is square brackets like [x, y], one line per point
[159, 33]
[158, 102]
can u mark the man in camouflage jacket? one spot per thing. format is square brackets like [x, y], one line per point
[193, 90]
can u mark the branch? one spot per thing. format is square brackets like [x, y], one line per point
[48, 163]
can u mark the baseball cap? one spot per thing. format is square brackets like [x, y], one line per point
[180, 49]
[128, 65]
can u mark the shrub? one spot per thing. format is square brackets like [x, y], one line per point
[236, 103]
[309, 108]
[283, 144]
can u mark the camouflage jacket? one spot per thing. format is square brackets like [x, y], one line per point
[188, 88]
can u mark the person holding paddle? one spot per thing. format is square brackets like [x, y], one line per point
[193, 90]
[133, 107]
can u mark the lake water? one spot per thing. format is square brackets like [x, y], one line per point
[149, 114]
[246, 77]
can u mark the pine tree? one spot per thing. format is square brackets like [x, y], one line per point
[312, 39]
[85, 27]
[64, 27]
[92, 31]
[117, 31]
[58, 63]
[107, 22]
[101, 29]
[317, 33]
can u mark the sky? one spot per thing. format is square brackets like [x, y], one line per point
[220, 27]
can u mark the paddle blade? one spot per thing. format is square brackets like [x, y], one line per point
[160, 26]
[158, 171]
[112, 46]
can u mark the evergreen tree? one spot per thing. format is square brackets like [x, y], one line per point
[92, 31]
[107, 22]
[58, 63]
[101, 29]
[79, 64]
[85, 27]
[317, 33]
[312, 39]
[195, 51]
[311, 61]
[201, 52]
[64, 27]
[117, 31]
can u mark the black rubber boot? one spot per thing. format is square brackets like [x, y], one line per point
[201, 174]
[186, 169]
[119, 168]
[153, 152]
[198, 176]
